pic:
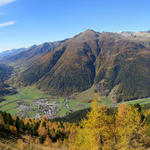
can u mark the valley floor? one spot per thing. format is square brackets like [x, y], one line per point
[33, 103]
[30, 102]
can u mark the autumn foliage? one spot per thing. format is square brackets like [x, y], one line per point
[105, 130]
[122, 128]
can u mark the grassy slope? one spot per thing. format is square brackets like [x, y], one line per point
[85, 95]
[32, 93]
[28, 94]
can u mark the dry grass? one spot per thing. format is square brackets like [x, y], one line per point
[85, 96]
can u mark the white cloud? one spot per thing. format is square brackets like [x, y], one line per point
[4, 2]
[7, 24]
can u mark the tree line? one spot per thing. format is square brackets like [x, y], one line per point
[124, 128]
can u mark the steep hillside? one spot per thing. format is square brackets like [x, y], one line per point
[69, 68]
[123, 69]
[75, 70]
[40, 67]
[5, 73]
[32, 53]
[117, 64]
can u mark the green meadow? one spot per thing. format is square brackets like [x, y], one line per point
[30, 94]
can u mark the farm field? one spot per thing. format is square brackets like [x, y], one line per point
[140, 101]
[28, 101]
[28, 96]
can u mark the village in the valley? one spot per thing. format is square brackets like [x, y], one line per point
[42, 107]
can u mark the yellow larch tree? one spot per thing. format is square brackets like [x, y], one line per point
[96, 131]
[97, 97]
[47, 141]
[13, 129]
[130, 129]
[72, 136]
[42, 131]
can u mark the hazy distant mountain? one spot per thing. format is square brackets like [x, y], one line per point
[117, 64]
[10, 52]
[32, 53]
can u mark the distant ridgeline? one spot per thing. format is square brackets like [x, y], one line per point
[116, 64]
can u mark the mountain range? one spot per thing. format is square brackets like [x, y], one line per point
[116, 64]
[10, 52]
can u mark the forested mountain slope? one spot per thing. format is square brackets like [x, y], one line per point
[5, 73]
[117, 64]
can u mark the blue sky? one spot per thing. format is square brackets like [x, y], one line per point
[27, 22]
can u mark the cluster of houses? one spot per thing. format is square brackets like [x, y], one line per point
[43, 108]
